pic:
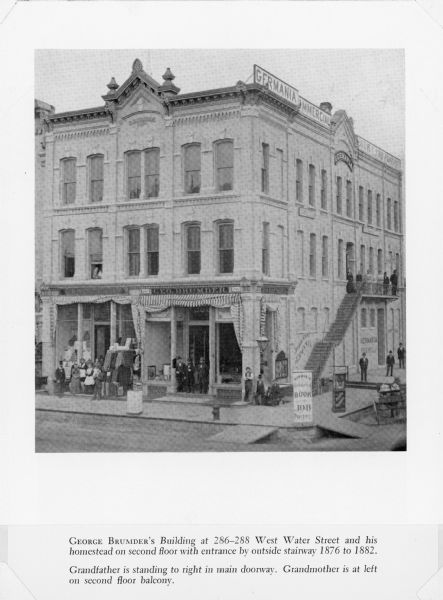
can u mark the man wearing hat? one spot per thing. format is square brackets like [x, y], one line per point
[364, 367]
[390, 362]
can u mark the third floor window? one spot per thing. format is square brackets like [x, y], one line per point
[224, 165]
[96, 178]
[152, 172]
[133, 167]
[192, 168]
[69, 177]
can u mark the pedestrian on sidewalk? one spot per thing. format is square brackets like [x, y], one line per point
[89, 379]
[82, 371]
[60, 378]
[390, 362]
[190, 379]
[74, 384]
[364, 367]
[401, 355]
[180, 374]
[98, 381]
[249, 377]
[202, 376]
[260, 393]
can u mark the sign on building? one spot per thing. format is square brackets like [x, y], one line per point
[339, 393]
[276, 85]
[302, 390]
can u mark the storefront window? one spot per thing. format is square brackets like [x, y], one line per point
[125, 323]
[67, 333]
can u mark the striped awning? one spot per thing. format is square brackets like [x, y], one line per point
[159, 302]
[61, 300]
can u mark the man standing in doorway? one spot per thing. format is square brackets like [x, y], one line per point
[364, 367]
[60, 377]
[390, 361]
[401, 355]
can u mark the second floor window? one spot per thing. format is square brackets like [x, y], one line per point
[133, 165]
[265, 249]
[95, 243]
[224, 165]
[371, 260]
[311, 185]
[348, 198]
[67, 240]
[388, 214]
[379, 261]
[96, 178]
[339, 195]
[369, 207]
[152, 250]
[340, 270]
[193, 249]
[360, 203]
[324, 256]
[152, 172]
[69, 178]
[324, 187]
[378, 210]
[299, 180]
[133, 252]
[312, 254]
[265, 168]
[396, 220]
[192, 168]
[226, 247]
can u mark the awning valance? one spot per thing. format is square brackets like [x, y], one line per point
[157, 303]
[61, 300]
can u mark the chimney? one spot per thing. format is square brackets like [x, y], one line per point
[326, 106]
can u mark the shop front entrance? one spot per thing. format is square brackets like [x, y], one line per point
[199, 343]
[102, 337]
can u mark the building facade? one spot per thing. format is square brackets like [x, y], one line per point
[209, 224]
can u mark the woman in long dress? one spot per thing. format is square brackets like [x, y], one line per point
[89, 380]
[74, 384]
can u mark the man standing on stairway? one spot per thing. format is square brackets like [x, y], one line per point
[364, 367]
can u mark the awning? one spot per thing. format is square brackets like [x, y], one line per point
[61, 300]
[157, 303]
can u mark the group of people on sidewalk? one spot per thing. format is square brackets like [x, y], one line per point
[369, 280]
[390, 362]
[191, 378]
[92, 379]
[262, 396]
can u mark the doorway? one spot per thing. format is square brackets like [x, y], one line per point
[102, 340]
[350, 258]
[381, 335]
[199, 343]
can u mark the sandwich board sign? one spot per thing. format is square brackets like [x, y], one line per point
[302, 391]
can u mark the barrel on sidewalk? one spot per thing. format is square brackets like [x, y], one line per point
[134, 401]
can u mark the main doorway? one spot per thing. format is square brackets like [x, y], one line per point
[199, 343]
[102, 339]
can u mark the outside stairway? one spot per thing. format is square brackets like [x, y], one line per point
[322, 349]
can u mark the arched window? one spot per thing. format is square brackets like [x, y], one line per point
[133, 174]
[95, 164]
[152, 172]
[152, 250]
[95, 248]
[69, 179]
[67, 255]
[226, 247]
[224, 165]
[192, 248]
[192, 168]
[133, 251]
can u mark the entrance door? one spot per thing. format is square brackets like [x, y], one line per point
[381, 335]
[350, 258]
[102, 340]
[199, 343]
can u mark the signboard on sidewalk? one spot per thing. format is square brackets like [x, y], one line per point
[339, 393]
[302, 386]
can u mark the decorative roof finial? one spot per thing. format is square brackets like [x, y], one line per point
[112, 85]
[168, 88]
[168, 75]
[137, 65]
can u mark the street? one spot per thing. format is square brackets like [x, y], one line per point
[68, 432]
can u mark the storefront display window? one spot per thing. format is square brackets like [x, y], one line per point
[229, 355]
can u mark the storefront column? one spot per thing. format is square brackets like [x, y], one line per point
[79, 330]
[211, 350]
[173, 346]
[48, 342]
[113, 325]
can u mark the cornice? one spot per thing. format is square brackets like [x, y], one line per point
[90, 132]
[218, 115]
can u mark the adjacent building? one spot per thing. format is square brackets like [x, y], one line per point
[219, 224]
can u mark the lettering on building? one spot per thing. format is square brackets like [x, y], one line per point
[342, 156]
[276, 85]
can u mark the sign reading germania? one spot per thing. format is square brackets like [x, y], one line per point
[276, 85]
